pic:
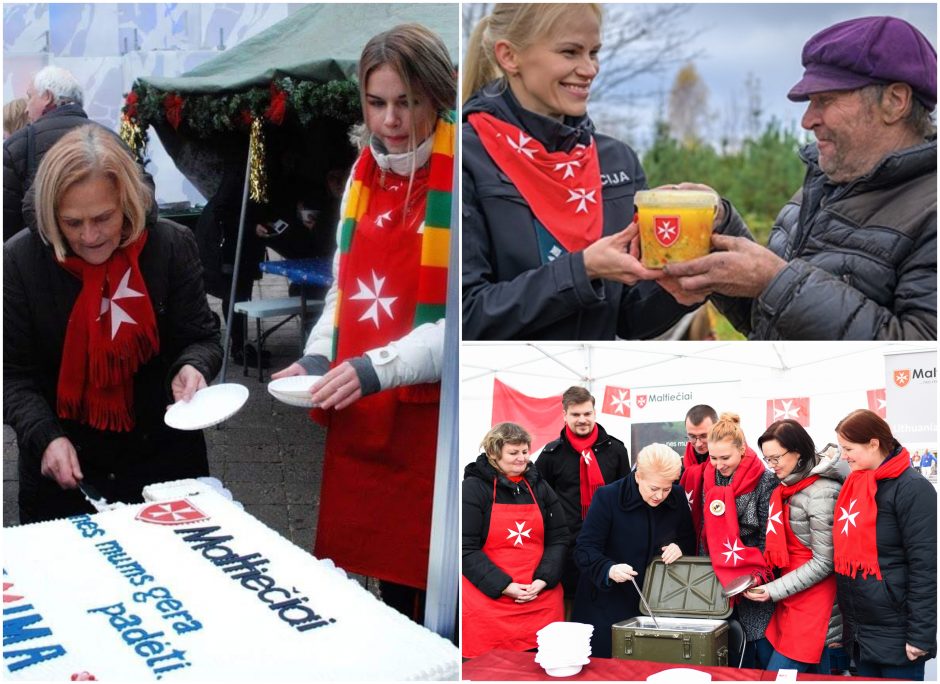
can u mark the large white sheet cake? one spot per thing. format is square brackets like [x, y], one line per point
[192, 588]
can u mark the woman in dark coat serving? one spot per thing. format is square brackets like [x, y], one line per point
[885, 550]
[510, 582]
[630, 523]
[105, 323]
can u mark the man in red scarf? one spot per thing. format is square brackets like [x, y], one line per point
[698, 423]
[583, 458]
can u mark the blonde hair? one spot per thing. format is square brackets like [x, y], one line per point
[83, 152]
[659, 459]
[521, 24]
[15, 115]
[728, 427]
[501, 434]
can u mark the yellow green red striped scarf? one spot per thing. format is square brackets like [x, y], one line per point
[435, 241]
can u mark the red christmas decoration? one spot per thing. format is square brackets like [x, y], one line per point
[130, 105]
[173, 106]
[278, 107]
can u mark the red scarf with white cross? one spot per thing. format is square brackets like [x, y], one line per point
[112, 331]
[853, 523]
[562, 189]
[591, 477]
[730, 557]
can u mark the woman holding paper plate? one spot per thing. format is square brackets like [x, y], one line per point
[379, 341]
[105, 323]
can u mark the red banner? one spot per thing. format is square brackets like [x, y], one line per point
[877, 402]
[616, 401]
[541, 416]
[796, 408]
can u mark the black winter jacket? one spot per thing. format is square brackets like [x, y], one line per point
[862, 257]
[881, 616]
[17, 175]
[560, 465]
[508, 292]
[622, 528]
[38, 296]
[477, 502]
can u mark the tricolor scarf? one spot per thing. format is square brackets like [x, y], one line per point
[562, 189]
[730, 557]
[778, 522]
[853, 532]
[435, 241]
[591, 477]
[111, 332]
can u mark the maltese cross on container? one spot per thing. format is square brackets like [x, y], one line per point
[519, 533]
[176, 512]
[666, 229]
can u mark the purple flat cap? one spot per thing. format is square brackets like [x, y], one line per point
[861, 52]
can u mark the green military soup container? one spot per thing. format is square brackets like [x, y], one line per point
[687, 601]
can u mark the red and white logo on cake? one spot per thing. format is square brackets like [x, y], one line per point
[177, 512]
[666, 229]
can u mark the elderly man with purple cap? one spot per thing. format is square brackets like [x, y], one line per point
[853, 255]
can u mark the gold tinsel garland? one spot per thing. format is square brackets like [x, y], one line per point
[257, 181]
[132, 136]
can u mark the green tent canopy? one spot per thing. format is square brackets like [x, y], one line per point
[319, 42]
[308, 60]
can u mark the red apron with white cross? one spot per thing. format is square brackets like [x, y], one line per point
[800, 622]
[378, 469]
[515, 542]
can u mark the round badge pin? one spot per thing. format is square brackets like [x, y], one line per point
[717, 507]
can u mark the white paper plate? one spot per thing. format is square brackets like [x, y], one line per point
[208, 407]
[299, 400]
[679, 674]
[297, 385]
[566, 671]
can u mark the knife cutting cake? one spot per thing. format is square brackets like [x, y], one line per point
[187, 587]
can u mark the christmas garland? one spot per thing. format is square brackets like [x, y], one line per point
[202, 116]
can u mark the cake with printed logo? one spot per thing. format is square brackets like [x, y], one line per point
[187, 587]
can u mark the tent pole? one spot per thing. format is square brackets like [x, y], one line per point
[440, 610]
[235, 269]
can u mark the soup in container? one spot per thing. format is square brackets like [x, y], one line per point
[675, 225]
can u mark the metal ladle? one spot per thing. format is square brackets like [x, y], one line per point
[645, 604]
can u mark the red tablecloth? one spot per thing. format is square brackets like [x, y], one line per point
[512, 665]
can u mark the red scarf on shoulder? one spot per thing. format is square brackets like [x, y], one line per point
[591, 477]
[562, 189]
[111, 332]
[853, 526]
[691, 482]
[776, 551]
[730, 557]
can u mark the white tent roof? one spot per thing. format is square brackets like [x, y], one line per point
[741, 376]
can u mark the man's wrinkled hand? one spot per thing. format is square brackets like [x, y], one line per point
[738, 268]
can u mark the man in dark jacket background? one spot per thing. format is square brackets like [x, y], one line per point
[54, 107]
[568, 470]
[854, 254]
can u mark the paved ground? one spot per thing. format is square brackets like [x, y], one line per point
[269, 455]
